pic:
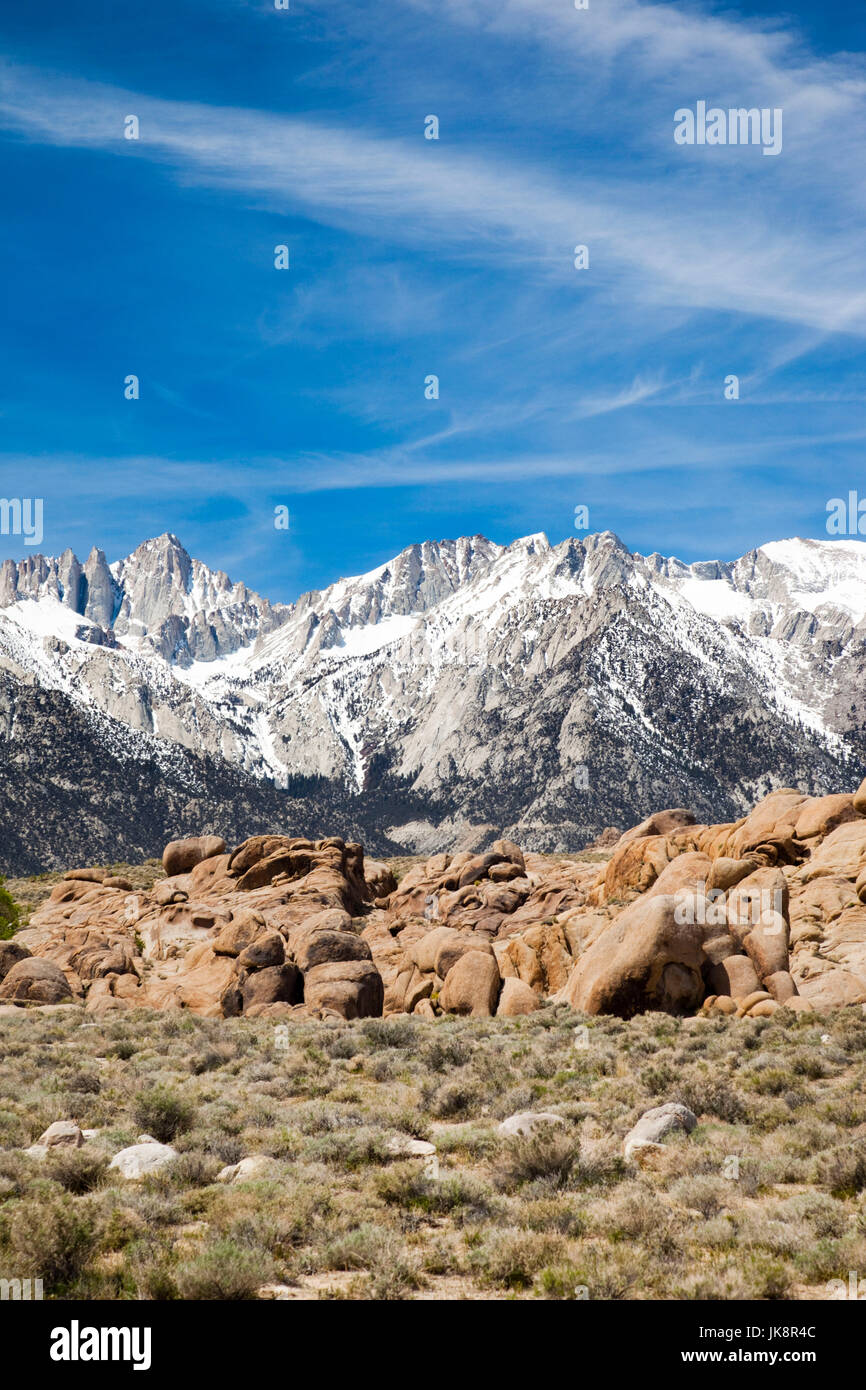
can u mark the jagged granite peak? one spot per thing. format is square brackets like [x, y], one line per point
[413, 582]
[100, 594]
[545, 689]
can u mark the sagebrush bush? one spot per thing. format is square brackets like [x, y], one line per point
[223, 1270]
[162, 1114]
[549, 1153]
[51, 1237]
[338, 1216]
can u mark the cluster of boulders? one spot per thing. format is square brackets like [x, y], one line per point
[737, 918]
[271, 928]
[742, 918]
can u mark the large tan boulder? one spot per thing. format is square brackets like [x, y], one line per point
[767, 945]
[423, 951]
[38, 981]
[659, 823]
[832, 989]
[517, 960]
[379, 878]
[781, 986]
[821, 814]
[725, 873]
[239, 933]
[85, 875]
[11, 952]
[843, 852]
[760, 896]
[195, 982]
[510, 851]
[267, 950]
[312, 948]
[769, 829]
[471, 986]
[352, 988]
[859, 799]
[272, 985]
[645, 960]
[516, 998]
[550, 944]
[450, 951]
[633, 868]
[817, 904]
[179, 856]
[735, 976]
[283, 864]
[211, 876]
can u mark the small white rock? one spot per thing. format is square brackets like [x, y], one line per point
[403, 1147]
[62, 1134]
[530, 1122]
[139, 1160]
[410, 1148]
[256, 1166]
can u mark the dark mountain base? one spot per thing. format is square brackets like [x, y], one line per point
[78, 787]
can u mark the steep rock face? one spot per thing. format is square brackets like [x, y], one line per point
[540, 691]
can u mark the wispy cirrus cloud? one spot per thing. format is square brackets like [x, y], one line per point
[649, 247]
[410, 257]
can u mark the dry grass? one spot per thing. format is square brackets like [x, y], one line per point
[766, 1199]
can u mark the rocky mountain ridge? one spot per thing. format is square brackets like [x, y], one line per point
[462, 689]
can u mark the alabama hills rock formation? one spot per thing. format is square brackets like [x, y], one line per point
[765, 912]
[461, 693]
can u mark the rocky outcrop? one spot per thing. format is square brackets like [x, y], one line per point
[743, 918]
[271, 928]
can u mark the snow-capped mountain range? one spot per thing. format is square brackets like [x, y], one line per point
[545, 691]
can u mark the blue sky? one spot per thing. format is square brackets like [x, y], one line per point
[412, 257]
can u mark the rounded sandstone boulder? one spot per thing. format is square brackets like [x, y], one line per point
[139, 1160]
[516, 998]
[35, 980]
[179, 856]
[472, 986]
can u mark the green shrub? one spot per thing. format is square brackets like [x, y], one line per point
[10, 917]
[512, 1258]
[224, 1271]
[843, 1170]
[78, 1170]
[163, 1114]
[549, 1154]
[51, 1238]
